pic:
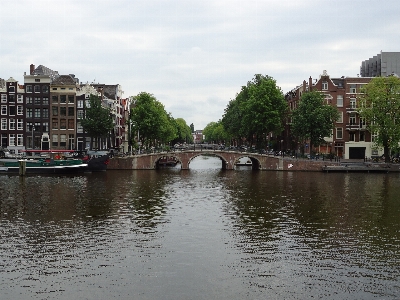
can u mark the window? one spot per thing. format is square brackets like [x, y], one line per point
[63, 99]
[63, 111]
[353, 89]
[3, 124]
[45, 113]
[20, 139]
[363, 123]
[11, 140]
[28, 126]
[352, 136]
[45, 89]
[4, 110]
[63, 140]
[11, 89]
[45, 100]
[63, 124]
[37, 113]
[353, 103]
[71, 123]
[12, 111]
[340, 120]
[20, 98]
[20, 124]
[11, 98]
[37, 88]
[71, 111]
[37, 79]
[324, 86]
[37, 100]
[80, 104]
[29, 112]
[362, 136]
[79, 128]
[3, 98]
[54, 89]
[352, 119]
[71, 140]
[45, 126]
[29, 89]
[54, 140]
[339, 133]
[54, 99]
[11, 123]
[55, 123]
[339, 101]
[71, 99]
[29, 100]
[80, 114]
[54, 110]
[20, 110]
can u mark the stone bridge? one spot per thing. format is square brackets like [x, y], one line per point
[228, 159]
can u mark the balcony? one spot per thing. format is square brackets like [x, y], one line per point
[355, 126]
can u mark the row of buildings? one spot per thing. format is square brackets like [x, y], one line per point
[350, 138]
[44, 112]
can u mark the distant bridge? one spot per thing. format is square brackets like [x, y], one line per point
[228, 160]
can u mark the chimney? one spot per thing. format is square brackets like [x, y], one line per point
[32, 69]
[304, 86]
[310, 84]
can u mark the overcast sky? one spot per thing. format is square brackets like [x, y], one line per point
[194, 56]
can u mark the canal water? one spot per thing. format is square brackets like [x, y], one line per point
[202, 233]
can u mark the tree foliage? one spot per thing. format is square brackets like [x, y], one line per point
[97, 121]
[313, 119]
[184, 133]
[258, 109]
[380, 106]
[215, 132]
[151, 122]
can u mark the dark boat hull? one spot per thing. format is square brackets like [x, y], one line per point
[98, 164]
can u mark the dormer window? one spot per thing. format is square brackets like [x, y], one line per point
[324, 85]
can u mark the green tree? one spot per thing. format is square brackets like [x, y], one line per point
[150, 122]
[380, 107]
[184, 133]
[313, 120]
[215, 132]
[257, 110]
[97, 121]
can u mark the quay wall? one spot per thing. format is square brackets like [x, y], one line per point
[267, 164]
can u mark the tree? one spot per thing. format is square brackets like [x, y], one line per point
[192, 127]
[313, 119]
[184, 133]
[97, 121]
[257, 110]
[151, 122]
[215, 132]
[380, 107]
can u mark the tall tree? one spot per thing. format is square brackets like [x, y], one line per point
[97, 121]
[216, 133]
[380, 107]
[313, 119]
[184, 133]
[257, 110]
[150, 121]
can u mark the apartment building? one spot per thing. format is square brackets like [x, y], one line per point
[383, 64]
[12, 115]
[350, 139]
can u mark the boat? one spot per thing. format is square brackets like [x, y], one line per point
[244, 161]
[96, 160]
[168, 161]
[42, 166]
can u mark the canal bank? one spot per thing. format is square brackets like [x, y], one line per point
[277, 163]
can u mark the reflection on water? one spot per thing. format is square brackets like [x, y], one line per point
[202, 233]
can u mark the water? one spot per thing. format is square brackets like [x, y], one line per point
[202, 233]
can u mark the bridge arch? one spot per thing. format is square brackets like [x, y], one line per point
[224, 163]
[255, 162]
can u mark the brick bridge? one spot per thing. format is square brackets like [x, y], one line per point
[228, 159]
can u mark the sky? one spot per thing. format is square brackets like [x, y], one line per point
[194, 56]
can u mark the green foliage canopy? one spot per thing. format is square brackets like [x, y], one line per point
[257, 110]
[313, 119]
[216, 133]
[379, 104]
[97, 121]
